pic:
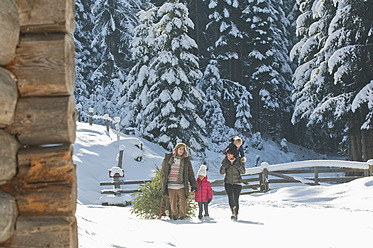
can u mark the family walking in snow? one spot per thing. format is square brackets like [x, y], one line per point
[177, 172]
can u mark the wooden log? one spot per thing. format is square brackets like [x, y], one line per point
[46, 16]
[46, 181]
[8, 215]
[46, 164]
[44, 120]
[8, 97]
[44, 231]
[45, 65]
[53, 198]
[9, 31]
[8, 156]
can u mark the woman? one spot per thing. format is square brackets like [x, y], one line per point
[232, 166]
[177, 171]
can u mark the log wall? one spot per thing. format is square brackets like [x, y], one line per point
[37, 124]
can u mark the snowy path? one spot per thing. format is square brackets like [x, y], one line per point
[295, 217]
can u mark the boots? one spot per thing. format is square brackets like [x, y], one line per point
[234, 213]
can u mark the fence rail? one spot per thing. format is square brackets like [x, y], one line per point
[258, 180]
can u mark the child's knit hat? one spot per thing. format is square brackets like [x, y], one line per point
[202, 171]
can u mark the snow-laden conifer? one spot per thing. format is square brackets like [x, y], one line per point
[135, 90]
[173, 96]
[225, 37]
[212, 86]
[268, 71]
[114, 21]
[85, 55]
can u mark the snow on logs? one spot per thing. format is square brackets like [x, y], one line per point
[9, 31]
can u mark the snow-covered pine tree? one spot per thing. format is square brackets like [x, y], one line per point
[147, 202]
[173, 97]
[135, 90]
[348, 63]
[198, 12]
[224, 35]
[225, 46]
[282, 64]
[85, 56]
[114, 24]
[309, 77]
[212, 86]
[267, 69]
[304, 52]
[243, 115]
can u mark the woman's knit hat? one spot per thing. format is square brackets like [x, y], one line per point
[202, 171]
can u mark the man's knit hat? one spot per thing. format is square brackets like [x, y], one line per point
[202, 171]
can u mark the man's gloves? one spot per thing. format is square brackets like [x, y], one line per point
[194, 189]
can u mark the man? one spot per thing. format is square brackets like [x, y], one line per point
[177, 171]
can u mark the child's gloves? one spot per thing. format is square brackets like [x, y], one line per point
[243, 160]
[194, 189]
[208, 201]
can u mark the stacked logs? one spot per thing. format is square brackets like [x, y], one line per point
[37, 124]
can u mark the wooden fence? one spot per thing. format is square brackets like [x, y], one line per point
[38, 123]
[258, 179]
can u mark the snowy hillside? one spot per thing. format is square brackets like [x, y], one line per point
[333, 216]
[96, 151]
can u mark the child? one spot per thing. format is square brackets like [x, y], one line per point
[236, 142]
[204, 192]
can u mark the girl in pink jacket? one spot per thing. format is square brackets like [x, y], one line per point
[204, 192]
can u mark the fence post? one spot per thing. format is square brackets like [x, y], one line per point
[370, 163]
[117, 127]
[120, 156]
[316, 178]
[90, 110]
[106, 117]
[264, 166]
[79, 108]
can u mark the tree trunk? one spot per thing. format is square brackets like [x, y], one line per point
[367, 137]
[355, 140]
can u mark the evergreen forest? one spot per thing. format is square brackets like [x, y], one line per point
[202, 71]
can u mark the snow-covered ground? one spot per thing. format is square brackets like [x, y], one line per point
[330, 216]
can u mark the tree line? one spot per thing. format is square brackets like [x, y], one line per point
[202, 71]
